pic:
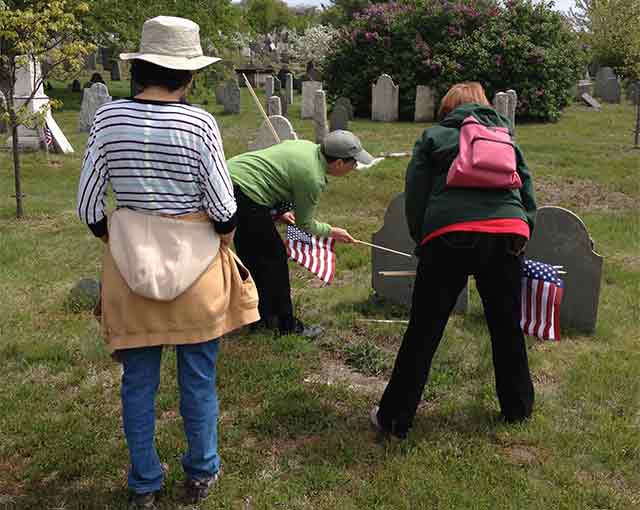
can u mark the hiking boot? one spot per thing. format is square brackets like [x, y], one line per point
[197, 490]
[382, 432]
[144, 501]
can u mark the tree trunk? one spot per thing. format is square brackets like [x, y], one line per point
[16, 159]
[637, 134]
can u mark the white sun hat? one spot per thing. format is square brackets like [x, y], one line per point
[171, 42]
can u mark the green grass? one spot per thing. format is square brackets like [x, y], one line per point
[293, 427]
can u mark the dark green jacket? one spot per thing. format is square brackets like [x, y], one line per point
[430, 204]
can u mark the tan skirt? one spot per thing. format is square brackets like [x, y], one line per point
[224, 298]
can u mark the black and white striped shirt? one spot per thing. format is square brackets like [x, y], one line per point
[159, 158]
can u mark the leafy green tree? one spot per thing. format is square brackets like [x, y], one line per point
[39, 30]
[267, 16]
[612, 30]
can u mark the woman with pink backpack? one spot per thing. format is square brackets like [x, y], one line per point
[470, 208]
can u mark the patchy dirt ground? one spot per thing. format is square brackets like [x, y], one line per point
[582, 194]
[334, 372]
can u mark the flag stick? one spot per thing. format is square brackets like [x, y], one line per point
[384, 321]
[264, 114]
[383, 248]
[397, 273]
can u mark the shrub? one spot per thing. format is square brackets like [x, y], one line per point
[520, 45]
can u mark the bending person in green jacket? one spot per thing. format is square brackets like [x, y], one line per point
[461, 232]
[293, 171]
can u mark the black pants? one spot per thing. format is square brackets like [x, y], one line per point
[445, 262]
[261, 249]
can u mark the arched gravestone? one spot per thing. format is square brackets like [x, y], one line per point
[394, 234]
[561, 238]
[385, 99]
[264, 136]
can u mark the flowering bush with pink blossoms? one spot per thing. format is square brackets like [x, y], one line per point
[518, 44]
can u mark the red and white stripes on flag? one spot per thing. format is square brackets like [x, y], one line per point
[542, 291]
[313, 253]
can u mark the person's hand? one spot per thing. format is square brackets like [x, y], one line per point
[288, 218]
[227, 239]
[341, 235]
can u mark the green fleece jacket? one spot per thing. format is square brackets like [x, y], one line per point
[293, 171]
[431, 205]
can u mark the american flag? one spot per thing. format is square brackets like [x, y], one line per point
[542, 291]
[280, 208]
[48, 136]
[313, 253]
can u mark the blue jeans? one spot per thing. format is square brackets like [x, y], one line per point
[198, 407]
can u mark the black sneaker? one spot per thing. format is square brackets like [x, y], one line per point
[382, 432]
[197, 490]
[144, 501]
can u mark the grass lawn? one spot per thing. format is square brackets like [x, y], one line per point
[293, 426]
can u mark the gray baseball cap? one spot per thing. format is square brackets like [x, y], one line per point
[345, 145]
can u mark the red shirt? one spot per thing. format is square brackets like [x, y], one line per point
[497, 226]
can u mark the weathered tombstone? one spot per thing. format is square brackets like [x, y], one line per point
[309, 89]
[312, 73]
[561, 238]
[273, 106]
[83, 296]
[339, 119]
[345, 102]
[590, 101]
[603, 75]
[385, 99]
[394, 234]
[284, 106]
[76, 86]
[29, 139]
[610, 91]
[264, 136]
[219, 93]
[92, 99]
[116, 71]
[512, 104]
[107, 58]
[425, 104]
[288, 87]
[320, 124]
[232, 97]
[90, 62]
[277, 85]
[268, 86]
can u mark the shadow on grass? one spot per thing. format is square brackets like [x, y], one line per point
[374, 306]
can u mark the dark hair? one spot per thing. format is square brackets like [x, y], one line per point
[147, 74]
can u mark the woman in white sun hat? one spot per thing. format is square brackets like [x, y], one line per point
[168, 276]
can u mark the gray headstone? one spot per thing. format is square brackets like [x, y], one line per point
[590, 101]
[116, 71]
[561, 238]
[90, 62]
[394, 234]
[320, 124]
[268, 86]
[276, 85]
[505, 104]
[345, 102]
[309, 89]
[264, 136]
[603, 75]
[284, 106]
[425, 104]
[385, 99]
[84, 295]
[610, 91]
[339, 119]
[219, 90]
[231, 97]
[273, 106]
[92, 99]
[288, 87]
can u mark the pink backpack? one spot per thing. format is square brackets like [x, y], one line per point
[487, 158]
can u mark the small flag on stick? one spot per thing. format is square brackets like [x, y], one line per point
[313, 253]
[542, 291]
[48, 136]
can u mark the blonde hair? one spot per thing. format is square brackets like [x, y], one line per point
[461, 93]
